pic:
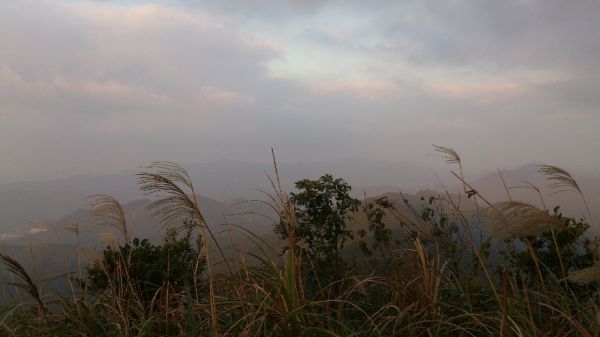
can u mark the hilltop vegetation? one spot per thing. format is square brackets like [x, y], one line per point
[437, 265]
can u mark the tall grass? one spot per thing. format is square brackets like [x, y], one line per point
[433, 279]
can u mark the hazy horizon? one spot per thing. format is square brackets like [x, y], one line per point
[435, 166]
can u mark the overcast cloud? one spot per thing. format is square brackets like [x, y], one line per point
[94, 87]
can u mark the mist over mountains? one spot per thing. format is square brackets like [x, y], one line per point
[519, 181]
[24, 203]
[223, 184]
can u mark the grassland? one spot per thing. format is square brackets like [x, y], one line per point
[454, 265]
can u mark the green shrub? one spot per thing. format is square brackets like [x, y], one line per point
[148, 267]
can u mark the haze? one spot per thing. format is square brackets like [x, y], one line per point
[98, 87]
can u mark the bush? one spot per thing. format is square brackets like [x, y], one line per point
[148, 267]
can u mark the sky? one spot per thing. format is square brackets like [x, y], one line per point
[92, 87]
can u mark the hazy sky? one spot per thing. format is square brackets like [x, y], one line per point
[91, 87]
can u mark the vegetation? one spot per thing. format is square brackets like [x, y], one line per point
[145, 268]
[348, 268]
[322, 209]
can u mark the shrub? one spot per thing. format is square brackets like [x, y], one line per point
[148, 267]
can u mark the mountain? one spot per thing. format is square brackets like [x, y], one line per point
[142, 224]
[25, 203]
[491, 187]
[47, 264]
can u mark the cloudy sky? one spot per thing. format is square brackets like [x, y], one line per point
[101, 86]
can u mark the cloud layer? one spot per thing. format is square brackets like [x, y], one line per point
[102, 86]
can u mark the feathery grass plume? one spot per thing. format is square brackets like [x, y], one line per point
[449, 154]
[168, 182]
[559, 178]
[109, 240]
[562, 181]
[530, 186]
[28, 285]
[519, 219]
[585, 276]
[110, 213]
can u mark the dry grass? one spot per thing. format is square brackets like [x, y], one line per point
[519, 219]
[109, 213]
[561, 181]
[173, 205]
[585, 276]
[429, 285]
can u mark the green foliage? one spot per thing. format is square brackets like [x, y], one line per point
[323, 208]
[444, 230]
[382, 236]
[148, 267]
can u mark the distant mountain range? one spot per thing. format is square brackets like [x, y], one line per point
[28, 204]
[142, 224]
[23, 204]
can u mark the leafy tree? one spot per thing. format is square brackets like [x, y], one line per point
[323, 208]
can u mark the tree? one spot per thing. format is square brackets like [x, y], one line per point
[323, 207]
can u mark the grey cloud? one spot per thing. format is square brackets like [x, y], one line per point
[513, 33]
[576, 95]
[275, 10]
[83, 90]
[517, 33]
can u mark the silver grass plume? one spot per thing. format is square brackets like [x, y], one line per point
[448, 154]
[176, 202]
[28, 284]
[530, 186]
[561, 181]
[585, 276]
[519, 219]
[110, 213]
[109, 240]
